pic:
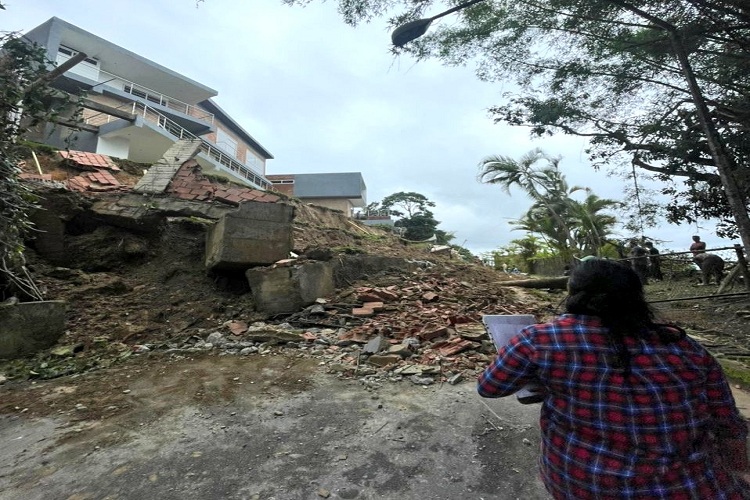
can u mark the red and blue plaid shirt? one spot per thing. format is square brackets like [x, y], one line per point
[648, 435]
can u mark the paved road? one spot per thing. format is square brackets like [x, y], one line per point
[227, 428]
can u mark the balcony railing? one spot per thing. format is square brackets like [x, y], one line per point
[211, 150]
[153, 96]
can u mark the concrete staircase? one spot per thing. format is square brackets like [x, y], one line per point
[160, 174]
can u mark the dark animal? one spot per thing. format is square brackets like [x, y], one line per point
[711, 266]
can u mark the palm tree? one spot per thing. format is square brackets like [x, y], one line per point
[593, 228]
[537, 221]
[545, 185]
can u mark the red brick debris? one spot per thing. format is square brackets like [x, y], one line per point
[98, 181]
[88, 161]
[189, 183]
[438, 317]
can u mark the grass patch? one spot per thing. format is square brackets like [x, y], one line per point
[737, 372]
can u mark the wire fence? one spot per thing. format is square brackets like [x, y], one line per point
[679, 276]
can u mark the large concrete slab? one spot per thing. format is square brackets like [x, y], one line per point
[256, 234]
[160, 174]
[289, 289]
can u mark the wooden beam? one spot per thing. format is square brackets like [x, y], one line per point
[556, 283]
[78, 125]
[103, 108]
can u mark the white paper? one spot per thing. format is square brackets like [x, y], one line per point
[503, 327]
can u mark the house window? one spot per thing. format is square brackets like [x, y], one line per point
[253, 161]
[283, 181]
[226, 142]
[88, 68]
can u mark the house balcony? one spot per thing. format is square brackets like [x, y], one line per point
[97, 81]
[152, 133]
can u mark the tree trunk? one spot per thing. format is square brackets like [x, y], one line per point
[560, 283]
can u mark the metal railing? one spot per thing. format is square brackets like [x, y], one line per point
[211, 150]
[155, 97]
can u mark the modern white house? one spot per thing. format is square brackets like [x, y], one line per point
[136, 109]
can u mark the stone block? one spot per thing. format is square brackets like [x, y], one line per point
[402, 350]
[383, 359]
[375, 345]
[29, 327]
[289, 289]
[256, 234]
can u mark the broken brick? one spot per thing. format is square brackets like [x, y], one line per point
[385, 295]
[368, 297]
[362, 312]
[455, 345]
[434, 334]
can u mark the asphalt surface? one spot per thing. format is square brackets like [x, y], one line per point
[316, 437]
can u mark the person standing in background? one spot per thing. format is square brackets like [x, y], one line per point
[639, 261]
[654, 261]
[697, 246]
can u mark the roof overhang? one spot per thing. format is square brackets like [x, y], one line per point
[119, 61]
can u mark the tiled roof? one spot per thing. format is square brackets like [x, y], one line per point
[86, 159]
[189, 184]
[101, 180]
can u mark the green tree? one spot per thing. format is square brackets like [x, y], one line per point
[415, 216]
[419, 227]
[593, 226]
[522, 253]
[410, 203]
[25, 100]
[567, 225]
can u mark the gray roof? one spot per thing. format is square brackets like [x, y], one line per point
[118, 60]
[211, 106]
[349, 185]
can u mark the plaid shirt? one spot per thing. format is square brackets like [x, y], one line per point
[649, 435]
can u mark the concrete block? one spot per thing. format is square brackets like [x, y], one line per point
[383, 359]
[289, 289]
[256, 234]
[29, 327]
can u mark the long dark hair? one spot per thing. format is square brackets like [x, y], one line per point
[613, 292]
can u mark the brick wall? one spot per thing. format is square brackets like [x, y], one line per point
[286, 188]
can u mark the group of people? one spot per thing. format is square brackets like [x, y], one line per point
[632, 408]
[645, 261]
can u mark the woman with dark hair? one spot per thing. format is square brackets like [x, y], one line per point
[633, 409]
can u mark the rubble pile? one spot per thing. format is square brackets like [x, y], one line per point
[132, 292]
[427, 329]
[423, 326]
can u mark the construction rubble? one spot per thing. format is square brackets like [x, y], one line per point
[132, 269]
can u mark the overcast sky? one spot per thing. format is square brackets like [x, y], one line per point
[324, 97]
